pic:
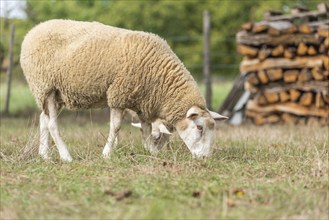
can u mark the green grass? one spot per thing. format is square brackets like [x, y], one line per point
[255, 172]
[21, 100]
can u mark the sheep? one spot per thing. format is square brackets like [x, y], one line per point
[84, 65]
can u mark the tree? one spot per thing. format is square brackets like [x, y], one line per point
[179, 22]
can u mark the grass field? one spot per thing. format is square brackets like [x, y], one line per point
[255, 172]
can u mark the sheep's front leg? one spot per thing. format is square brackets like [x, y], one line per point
[115, 123]
[149, 140]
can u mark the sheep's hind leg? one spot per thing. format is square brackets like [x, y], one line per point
[115, 123]
[44, 136]
[53, 129]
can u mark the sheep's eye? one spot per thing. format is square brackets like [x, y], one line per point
[199, 127]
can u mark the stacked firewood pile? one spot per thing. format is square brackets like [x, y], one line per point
[286, 62]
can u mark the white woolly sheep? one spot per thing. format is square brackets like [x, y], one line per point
[83, 65]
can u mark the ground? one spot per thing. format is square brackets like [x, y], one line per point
[273, 172]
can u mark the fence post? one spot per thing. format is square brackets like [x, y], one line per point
[10, 66]
[206, 57]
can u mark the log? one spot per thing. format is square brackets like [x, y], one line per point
[259, 120]
[247, 50]
[289, 107]
[271, 13]
[284, 96]
[243, 37]
[251, 114]
[252, 79]
[289, 118]
[273, 119]
[325, 73]
[323, 7]
[274, 74]
[319, 102]
[317, 73]
[247, 26]
[323, 31]
[323, 48]
[305, 28]
[281, 27]
[314, 14]
[306, 99]
[261, 100]
[298, 9]
[311, 27]
[311, 86]
[272, 97]
[294, 94]
[260, 27]
[326, 62]
[299, 62]
[263, 53]
[249, 87]
[278, 51]
[290, 76]
[311, 51]
[273, 31]
[325, 97]
[326, 42]
[262, 76]
[305, 75]
[302, 49]
[289, 52]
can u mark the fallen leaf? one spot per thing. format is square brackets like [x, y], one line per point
[239, 192]
[118, 195]
[196, 194]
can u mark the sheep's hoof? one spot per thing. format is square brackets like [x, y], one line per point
[66, 158]
[106, 155]
[45, 157]
[106, 151]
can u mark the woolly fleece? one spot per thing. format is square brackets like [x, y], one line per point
[91, 65]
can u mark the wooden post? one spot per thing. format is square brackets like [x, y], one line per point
[10, 66]
[206, 57]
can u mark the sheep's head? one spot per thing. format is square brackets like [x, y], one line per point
[197, 130]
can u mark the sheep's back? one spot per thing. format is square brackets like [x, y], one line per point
[76, 58]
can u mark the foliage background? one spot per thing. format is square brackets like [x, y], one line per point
[179, 22]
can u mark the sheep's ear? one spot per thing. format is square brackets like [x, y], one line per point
[217, 116]
[193, 112]
[137, 125]
[164, 129]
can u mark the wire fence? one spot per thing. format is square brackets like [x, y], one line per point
[217, 56]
